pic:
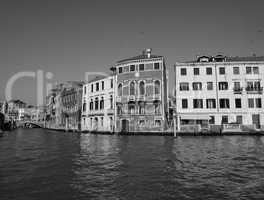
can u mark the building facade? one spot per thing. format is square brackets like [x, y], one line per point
[220, 90]
[141, 93]
[98, 105]
[71, 105]
[53, 109]
[13, 107]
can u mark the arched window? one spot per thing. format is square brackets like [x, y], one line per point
[141, 108]
[119, 90]
[119, 109]
[84, 107]
[91, 105]
[91, 123]
[102, 103]
[157, 107]
[142, 88]
[131, 108]
[96, 103]
[95, 123]
[111, 101]
[132, 88]
[157, 87]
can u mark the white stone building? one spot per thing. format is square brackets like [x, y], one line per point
[221, 90]
[98, 105]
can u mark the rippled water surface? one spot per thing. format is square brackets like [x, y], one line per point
[41, 164]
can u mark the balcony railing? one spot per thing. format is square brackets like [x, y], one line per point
[257, 90]
[96, 112]
[238, 90]
[128, 98]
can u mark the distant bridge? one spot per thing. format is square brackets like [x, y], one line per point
[30, 124]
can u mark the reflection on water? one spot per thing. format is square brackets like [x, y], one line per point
[40, 164]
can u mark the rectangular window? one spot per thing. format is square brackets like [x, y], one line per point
[212, 120]
[97, 86]
[257, 85]
[185, 103]
[156, 66]
[184, 86]
[223, 85]
[209, 85]
[197, 86]
[196, 71]
[84, 89]
[197, 103]
[183, 71]
[141, 67]
[235, 70]
[236, 85]
[157, 123]
[210, 103]
[102, 85]
[142, 122]
[248, 70]
[132, 68]
[250, 85]
[221, 70]
[258, 102]
[239, 119]
[238, 103]
[255, 70]
[224, 119]
[120, 70]
[251, 103]
[92, 88]
[224, 103]
[209, 71]
[126, 69]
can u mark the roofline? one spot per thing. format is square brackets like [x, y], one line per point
[100, 79]
[218, 63]
[138, 60]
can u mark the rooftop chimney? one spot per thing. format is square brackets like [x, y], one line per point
[148, 52]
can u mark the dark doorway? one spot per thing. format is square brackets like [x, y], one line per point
[125, 126]
[256, 120]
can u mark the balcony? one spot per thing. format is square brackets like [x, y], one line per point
[154, 97]
[96, 112]
[238, 90]
[254, 90]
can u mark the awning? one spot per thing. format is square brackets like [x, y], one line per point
[194, 117]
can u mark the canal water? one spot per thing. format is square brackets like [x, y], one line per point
[42, 164]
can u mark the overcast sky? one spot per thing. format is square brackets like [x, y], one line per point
[69, 38]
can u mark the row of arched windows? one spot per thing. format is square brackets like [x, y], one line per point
[132, 88]
[97, 104]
